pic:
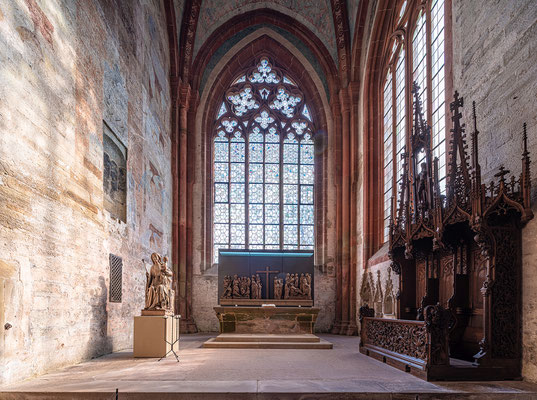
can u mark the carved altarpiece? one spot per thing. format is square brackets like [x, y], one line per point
[458, 255]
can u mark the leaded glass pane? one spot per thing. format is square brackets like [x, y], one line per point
[221, 213]
[306, 174]
[255, 234]
[256, 173]
[237, 172]
[272, 234]
[272, 173]
[237, 151]
[290, 173]
[256, 193]
[306, 194]
[255, 213]
[272, 193]
[306, 214]
[237, 192]
[221, 193]
[290, 194]
[290, 234]
[256, 135]
[272, 153]
[272, 214]
[290, 214]
[237, 213]
[306, 153]
[290, 153]
[256, 152]
[306, 234]
[237, 234]
[221, 233]
[221, 151]
[221, 172]
[272, 135]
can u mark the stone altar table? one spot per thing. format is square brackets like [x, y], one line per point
[267, 320]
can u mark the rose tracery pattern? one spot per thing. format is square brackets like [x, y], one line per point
[243, 101]
[285, 102]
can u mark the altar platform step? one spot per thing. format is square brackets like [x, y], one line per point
[266, 341]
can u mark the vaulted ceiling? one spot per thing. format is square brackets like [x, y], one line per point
[321, 30]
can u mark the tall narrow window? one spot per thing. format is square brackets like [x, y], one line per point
[425, 24]
[263, 164]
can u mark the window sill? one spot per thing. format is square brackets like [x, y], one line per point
[380, 256]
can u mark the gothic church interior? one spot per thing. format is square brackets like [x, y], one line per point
[351, 179]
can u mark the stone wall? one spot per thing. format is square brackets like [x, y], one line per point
[494, 47]
[66, 66]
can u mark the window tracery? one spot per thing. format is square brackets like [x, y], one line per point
[417, 45]
[263, 164]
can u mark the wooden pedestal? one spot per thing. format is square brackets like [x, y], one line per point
[151, 334]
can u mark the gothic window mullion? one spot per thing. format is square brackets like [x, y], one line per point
[281, 186]
[299, 205]
[247, 186]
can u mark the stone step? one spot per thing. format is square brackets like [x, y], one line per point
[213, 344]
[267, 337]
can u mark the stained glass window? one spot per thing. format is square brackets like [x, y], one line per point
[426, 65]
[263, 164]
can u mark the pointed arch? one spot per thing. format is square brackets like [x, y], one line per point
[210, 103]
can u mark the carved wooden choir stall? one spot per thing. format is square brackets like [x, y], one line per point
[458, 257]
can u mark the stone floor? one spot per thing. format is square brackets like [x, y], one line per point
[252, 374]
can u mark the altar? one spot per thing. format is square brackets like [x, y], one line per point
[266, 296]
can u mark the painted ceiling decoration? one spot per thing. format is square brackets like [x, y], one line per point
[328, 21]
[314, 14]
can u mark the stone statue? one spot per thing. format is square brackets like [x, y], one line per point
[228, 287]
[158, 291]
[278, 287]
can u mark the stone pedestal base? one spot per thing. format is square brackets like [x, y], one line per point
[151, 334]
[280, 320]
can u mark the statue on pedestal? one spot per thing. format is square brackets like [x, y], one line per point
[158, 289]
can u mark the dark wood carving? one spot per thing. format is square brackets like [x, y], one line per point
[458, 255]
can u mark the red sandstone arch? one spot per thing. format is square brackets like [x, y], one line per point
[283, 58]
[265, 16]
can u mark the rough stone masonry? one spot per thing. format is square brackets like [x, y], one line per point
[66, 68]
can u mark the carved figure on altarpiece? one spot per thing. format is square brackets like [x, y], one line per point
[297, 287]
